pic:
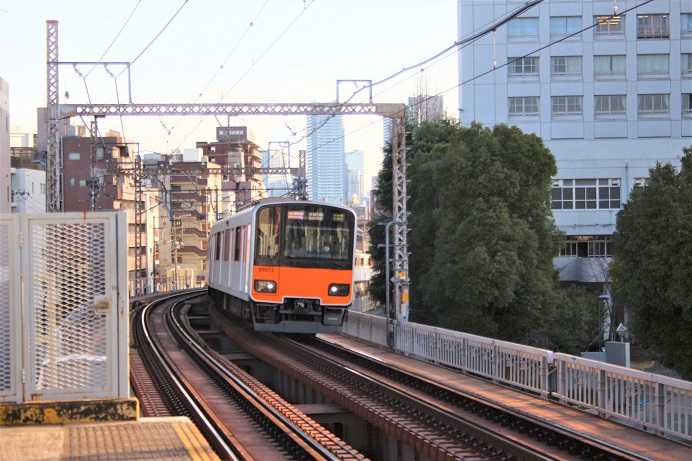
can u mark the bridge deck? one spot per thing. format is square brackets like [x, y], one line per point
[610, 432]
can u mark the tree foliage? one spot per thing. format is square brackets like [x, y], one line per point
[652, 266]
[482, 235]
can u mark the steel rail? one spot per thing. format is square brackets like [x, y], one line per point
[481, 407]
[427, 409]
[191, 344]
[157, 360]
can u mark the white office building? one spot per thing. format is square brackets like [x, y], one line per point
[325, 158]
[609, 102]
[4, 147]
[28, 193]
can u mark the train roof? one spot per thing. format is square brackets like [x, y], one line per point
[277, 201]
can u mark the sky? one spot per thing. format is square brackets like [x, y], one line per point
[284, 56]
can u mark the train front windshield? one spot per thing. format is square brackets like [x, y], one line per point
[311, 236]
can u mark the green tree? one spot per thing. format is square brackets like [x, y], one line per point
[652, 266]
[482, 236]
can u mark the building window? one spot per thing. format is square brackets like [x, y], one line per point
[523, 105]
[82, 183]
[641, 182]
[99, 153]
[609, 25]
[585, 194]
[566, 105]
[651, 104]
[608, 193]
[687, 105]
[686, 64]
[653, 26]
[43, 188]
[72, 182]
[564, 25]
[526, 66]
[565, 66]
[686, 24]
[523, 29]
[611, 104]
[653, 65]
[73, 156]
[562, 194]
[588, 247]
[609, 66]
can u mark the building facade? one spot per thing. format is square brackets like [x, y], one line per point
[355, 177]
[609, 103]
[425, 108]
[113, 180]
[238, 156]
[28, 194]
[325, 158]
[5, 186]
[195, 192]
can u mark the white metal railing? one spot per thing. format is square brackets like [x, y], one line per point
[647, 400]
[515, 364]
[371, 328]
[651, 402]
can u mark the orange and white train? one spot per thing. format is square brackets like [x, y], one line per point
[284, 265]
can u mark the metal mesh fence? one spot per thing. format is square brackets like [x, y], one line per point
[69, 273]
[6, 368]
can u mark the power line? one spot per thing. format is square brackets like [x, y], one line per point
[285, 30]
[491, 27]
[165, 26]
[117, 35]
[505, 64]
[205, 87]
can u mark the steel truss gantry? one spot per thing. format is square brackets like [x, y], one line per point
[396, 112]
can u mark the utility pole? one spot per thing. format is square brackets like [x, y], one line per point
[139, 210]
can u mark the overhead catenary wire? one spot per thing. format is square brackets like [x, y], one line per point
[421, 101]
[158, 34]
[255, 61]
[117, 35]
[251, 24]
[489, 28]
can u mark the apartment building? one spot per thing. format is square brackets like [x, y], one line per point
[101, 171]
[239, 157]
[609, 102]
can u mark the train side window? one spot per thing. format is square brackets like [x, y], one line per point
[268, 238]
[238, 238]
[217, 246]
[226, 244]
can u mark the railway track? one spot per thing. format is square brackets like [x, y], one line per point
[432, 433]
[554, 442]
[238, 415]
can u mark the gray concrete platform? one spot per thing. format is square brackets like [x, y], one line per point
[172, 438]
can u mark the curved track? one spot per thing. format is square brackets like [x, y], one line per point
[239, 421]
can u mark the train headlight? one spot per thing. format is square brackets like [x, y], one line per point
[338, 289]
[265, 286]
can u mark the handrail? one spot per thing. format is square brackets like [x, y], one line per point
[649, 401]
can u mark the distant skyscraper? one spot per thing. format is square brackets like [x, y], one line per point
[386, 131]
[424, 108]
[325, 158]
[355, 180]
[276, 185]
